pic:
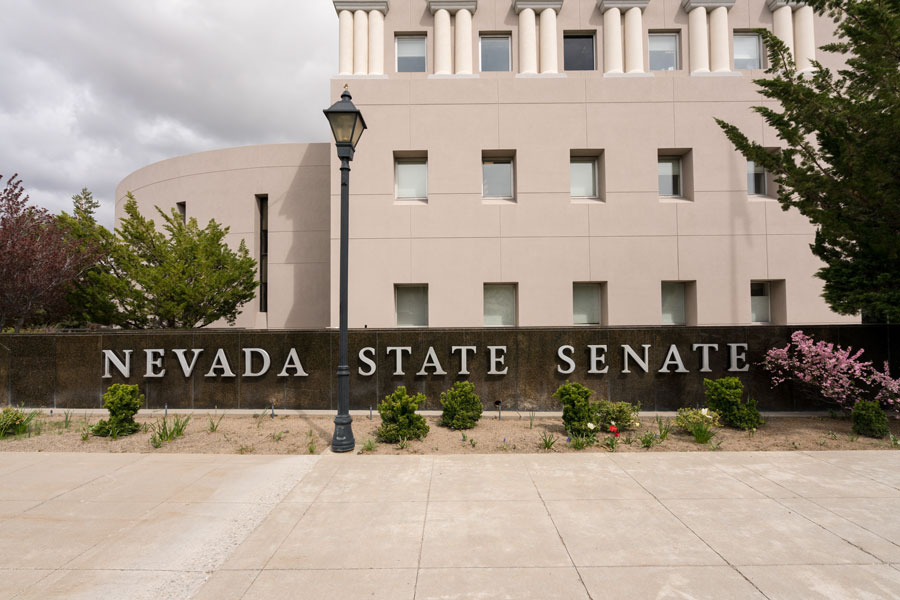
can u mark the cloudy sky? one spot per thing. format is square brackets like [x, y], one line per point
[94, 89]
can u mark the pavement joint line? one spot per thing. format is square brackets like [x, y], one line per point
[686, 526]
[424, 525]
[850, 471]
[556, 528]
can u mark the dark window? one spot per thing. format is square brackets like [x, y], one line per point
[578, 51]
[262, 202]
[182, 210]
[411, 54]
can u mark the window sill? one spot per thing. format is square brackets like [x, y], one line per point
[587, 200]
[498, 200]
[675, 199]
[760, 198]
[410, 201]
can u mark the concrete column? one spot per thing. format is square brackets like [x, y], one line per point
[463, 42]
[634, 41]
[783, 18]
[719, 56]
[345, 48]
[804, 38]
[549, 60]
[699, 42]
[528, 42]
[612, 41]
[360, 43]
[442, 50]
[376, 42]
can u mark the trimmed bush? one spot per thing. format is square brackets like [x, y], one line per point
[122, 401]
[462, 406]
[869, 420]
[580, 415]
[399, 420]
[623, 415]
[724, 396]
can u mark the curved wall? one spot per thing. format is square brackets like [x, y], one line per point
[224, 185]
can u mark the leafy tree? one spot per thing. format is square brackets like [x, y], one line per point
[38, 261]
[183, 276]
[841, 164]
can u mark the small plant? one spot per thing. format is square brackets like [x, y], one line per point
[751, 433]
[214, 420]
[403, 444]
[242, 449]
[715, 446]
[580, 442]
[724, 396]
[14, 421]
[85, 432]
[123, 402]
[895, 441]
[869, 420]
[649, 439]
[664, 425]
[67, 419]
[531, 420]
[688, 417]
[833, 435]
[310, 442]
[611, 443]
[853, 437]
[473, 442]
[277, 437]
[505, 447]
[464, 438]
[369, 445]
[702, 432]
[628, 439]
[399, 418]
[163, 432]
[462, 406]
[547, 440]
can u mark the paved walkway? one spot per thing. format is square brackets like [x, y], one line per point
[573, 526]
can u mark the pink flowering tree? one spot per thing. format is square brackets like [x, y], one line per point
[836, 373]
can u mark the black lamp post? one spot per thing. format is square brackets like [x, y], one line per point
[347, 125]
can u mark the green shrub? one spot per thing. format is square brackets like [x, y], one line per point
[869, 420]
[724, 396]
[580, 415]
[399, 420]
[687, 418]
[702, 431]
[14, 421]
[122, 401]
[462, 406]
[623, 415]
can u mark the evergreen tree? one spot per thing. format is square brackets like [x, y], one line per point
[840, 166]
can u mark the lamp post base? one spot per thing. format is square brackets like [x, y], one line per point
[343, 434]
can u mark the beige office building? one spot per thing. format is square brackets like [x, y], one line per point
[530, 163]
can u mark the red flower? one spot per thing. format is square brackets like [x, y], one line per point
[613, 429]
[617, 434]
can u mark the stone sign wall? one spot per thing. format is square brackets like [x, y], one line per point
[661, 367]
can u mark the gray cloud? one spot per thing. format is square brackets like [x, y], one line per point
[94, 89]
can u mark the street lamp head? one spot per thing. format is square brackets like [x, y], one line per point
[347, 123]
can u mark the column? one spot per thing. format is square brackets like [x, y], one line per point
[360, 43]
[527, 42]
[549, 60]
[345, 49]
[612, 41]
[804, 38]
[442, 51]
[634, 41]
[699, 40]
[783, 25]
[376, 42]
[719, 59]
[463, 42]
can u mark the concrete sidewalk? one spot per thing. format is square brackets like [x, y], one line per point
[661, 525]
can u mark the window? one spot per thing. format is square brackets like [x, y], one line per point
[411, 178]
[499, 304]
[673, 312]
[578, 52]
[583, 173]
[747, 51]
[756, 179]
[411, 54]
[669, 170]
[181, 207]
[663, 51]
[497, 178]
[495, 53]
[412, 305]
[262, 204]
[587, 303]
[760, 305]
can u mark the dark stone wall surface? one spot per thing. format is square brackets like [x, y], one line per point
[66, 370]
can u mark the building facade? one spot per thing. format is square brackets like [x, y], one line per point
[527, 163]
